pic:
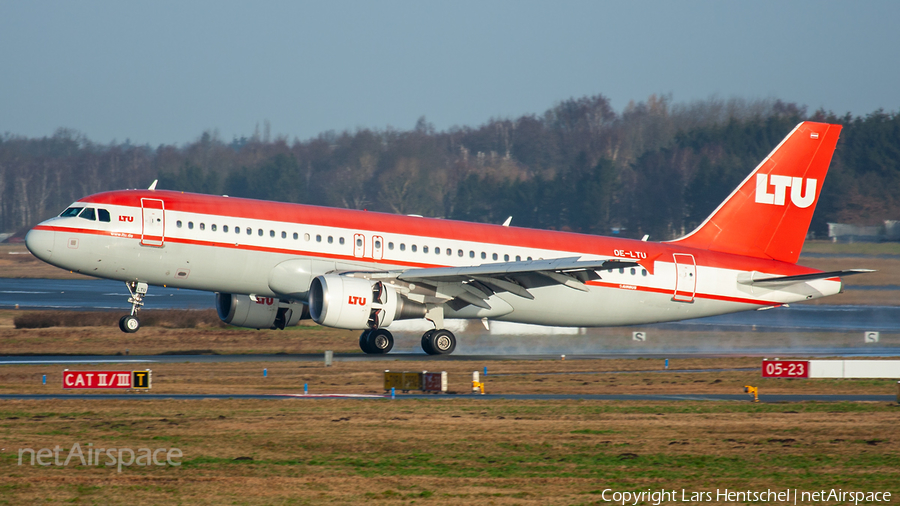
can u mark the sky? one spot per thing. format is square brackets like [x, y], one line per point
[163, 72]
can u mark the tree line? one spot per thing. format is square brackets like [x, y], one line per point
[656, 167]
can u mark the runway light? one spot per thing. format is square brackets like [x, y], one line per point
[754, 391]
[265, 373]
[306, 389]
[393, 393]
[477, 386]
[45, 382]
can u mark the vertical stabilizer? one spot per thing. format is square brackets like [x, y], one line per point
[768, 215]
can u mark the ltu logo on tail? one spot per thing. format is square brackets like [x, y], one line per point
[781, 183]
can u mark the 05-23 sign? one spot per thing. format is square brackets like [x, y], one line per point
[785, 369]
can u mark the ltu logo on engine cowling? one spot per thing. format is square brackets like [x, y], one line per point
[781, 184]
[356, 301]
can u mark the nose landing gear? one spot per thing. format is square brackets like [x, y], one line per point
[130, 323]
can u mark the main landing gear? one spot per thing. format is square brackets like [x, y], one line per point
[376, 341]
[130, 323]
[438, 342]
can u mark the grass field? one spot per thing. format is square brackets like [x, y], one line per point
[453, 451]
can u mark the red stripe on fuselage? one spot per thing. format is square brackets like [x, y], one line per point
[434, 228]
[376, 264]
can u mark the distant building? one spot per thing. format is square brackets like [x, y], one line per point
[842, 232]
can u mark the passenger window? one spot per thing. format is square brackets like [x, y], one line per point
[424, 249]
[633, 271]
[88, 214]
[178, 223]
[518, 258]
[341, 242]
[213, 227]
[471, 254]
[643, 272]
[306, 237]
[506, 258]
[529, 259]
[494, 256]
[283, 234]
[191, 225]
[70, 212]
[318, 238]
[359, 242]
[402, 246]
[249, 231]
[449, 252]
[103, 215]
[483, 255]
[202, 226]
[621, 270]
[413, 247]
[330, 239]
[271, 233]
[390, 245]
[259, 232]
[296, 236]
[437, 251]
[225, 228]
[459, 253]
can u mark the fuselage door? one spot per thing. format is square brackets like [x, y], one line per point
[686, 280]
[359, 245]
[377, 245]
[153, 224]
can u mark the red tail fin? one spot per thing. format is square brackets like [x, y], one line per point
[768, 215]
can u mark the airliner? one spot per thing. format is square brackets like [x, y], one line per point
[271, 264]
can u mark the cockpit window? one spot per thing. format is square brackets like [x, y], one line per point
[88, 214]
[70, 212]
[103, 215]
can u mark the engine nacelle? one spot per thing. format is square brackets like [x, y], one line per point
[262, 313]
[357, 303]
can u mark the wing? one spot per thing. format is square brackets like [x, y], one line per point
[462, 286]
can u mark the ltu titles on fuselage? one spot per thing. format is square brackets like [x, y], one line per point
[272, 264]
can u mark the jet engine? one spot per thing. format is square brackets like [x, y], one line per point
[258, 312]
[356, 303]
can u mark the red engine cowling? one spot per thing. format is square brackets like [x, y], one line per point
[357, 303]
[262, 313]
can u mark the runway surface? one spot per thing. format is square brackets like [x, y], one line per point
[444, 397]
[84, 295]
[360, 357]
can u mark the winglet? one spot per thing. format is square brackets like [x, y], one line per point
[507, 222]
[153, 184]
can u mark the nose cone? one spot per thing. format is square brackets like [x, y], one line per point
[40, 243]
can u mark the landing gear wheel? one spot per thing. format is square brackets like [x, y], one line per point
[364, 341]
[426, 342]
[439, 342]
[129, 324]
[380, 341]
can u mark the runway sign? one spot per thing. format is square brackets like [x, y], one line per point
[875, 369]
[639, 336]
[785, 369]
[106, 379]
[434, 381]
[871, 337]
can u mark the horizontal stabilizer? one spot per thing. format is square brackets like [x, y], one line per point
[759, 278]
